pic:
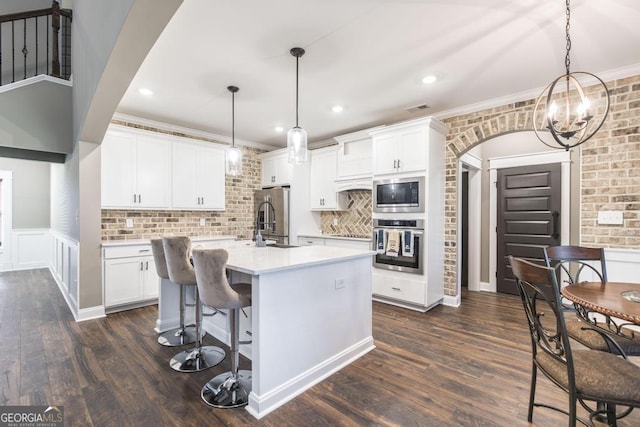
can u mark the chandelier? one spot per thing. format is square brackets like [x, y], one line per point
[573, 107]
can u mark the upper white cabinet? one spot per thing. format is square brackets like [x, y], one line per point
[404, 147]
[275, 169]
[355, 155]
[197, 176]
[135, 169]
[322, 188]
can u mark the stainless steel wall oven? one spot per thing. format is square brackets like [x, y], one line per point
[408, 257]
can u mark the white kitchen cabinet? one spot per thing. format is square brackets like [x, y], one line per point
[310, 241]
[355, 155]
[400, 151]
[197, 176]
[130, 276]
[322, 188]
[135, 169]
[342, 242]
[275, 169]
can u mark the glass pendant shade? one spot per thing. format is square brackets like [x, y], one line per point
[233, 161]
[297, 145]
[297, 137]
[233, 155]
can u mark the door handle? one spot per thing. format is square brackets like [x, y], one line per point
[139, 198]
[394, 164]
[141, 266]
[134, 198]
[146, 265]
[554, 220]
[398, 163]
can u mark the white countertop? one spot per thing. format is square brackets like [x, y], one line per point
[107, 243]
[330, 236]
[256, 261]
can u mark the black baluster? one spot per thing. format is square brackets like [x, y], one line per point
[13, 52]
[25, 51]
[36, 46]
[47, 58]
[0, 55]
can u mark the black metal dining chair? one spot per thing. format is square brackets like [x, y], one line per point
[586, 375]
[575, 264]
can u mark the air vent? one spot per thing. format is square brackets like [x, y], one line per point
[417, 108]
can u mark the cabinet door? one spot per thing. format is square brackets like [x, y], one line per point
[268, 172]
[153, 163]
[123, 280]
[150, 280]
[412, 151]
[355, 159]
[211, 178]
[322, 176]
[284, 171]
[385, 154]
[118, 169]
[184, 188]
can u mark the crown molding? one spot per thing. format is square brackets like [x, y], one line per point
[168, 127]
[606, 76]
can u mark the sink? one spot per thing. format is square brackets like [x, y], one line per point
[280, 245]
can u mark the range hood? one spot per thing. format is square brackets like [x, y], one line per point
[354, 184]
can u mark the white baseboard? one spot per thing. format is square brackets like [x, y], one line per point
[90, 313]
[487, 287]
[259, 406]
[452, 301]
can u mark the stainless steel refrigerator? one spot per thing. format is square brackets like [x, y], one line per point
[271, 209]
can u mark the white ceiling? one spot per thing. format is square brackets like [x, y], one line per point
[368, 56]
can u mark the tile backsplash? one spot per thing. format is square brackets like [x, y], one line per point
[355, 221]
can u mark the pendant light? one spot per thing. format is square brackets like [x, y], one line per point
[297, 137]
[233, 155]
[573, 107]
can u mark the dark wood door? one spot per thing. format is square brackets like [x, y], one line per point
[529, 200]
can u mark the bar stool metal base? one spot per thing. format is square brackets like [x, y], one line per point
[177, 336]
[225, 391]
[193, 360]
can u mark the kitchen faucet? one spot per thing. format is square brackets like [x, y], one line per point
[259, 241]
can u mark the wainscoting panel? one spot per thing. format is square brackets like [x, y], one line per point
[30, 249]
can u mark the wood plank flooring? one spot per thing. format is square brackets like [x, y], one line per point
[466, 366]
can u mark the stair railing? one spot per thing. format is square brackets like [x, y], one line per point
[21, 41]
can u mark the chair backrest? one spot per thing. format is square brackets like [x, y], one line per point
[213, 287]
[540, 295]
[177, 251]
[577, 260]
[158, 258]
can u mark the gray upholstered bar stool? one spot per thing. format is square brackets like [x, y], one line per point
[181, 335]
[230, 389]
[177, 251]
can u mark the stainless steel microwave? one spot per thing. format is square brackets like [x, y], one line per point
[399, 195]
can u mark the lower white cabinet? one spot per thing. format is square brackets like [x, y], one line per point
[341, 242]
[129, 276]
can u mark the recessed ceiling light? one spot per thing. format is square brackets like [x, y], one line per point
[429, 79]
[145, 91]
[337, 108]
[279, 129]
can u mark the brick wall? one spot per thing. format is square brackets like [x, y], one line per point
[236, 220]
[355, 221]
[610, 168]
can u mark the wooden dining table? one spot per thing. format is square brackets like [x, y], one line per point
[607, 298]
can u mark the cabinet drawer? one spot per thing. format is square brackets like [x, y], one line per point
[127, 251]
[397, 288]
[310, 241]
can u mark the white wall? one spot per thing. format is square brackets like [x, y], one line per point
[31, 192]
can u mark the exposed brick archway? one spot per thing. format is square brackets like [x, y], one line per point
[609, 168]
[480, 127]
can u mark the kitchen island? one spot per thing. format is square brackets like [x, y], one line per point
[310, 316]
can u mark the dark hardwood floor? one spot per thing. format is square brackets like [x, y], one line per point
[466, 366]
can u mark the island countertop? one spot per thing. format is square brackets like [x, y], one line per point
[255, 261]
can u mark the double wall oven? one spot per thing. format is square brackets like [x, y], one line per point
[408, 258]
